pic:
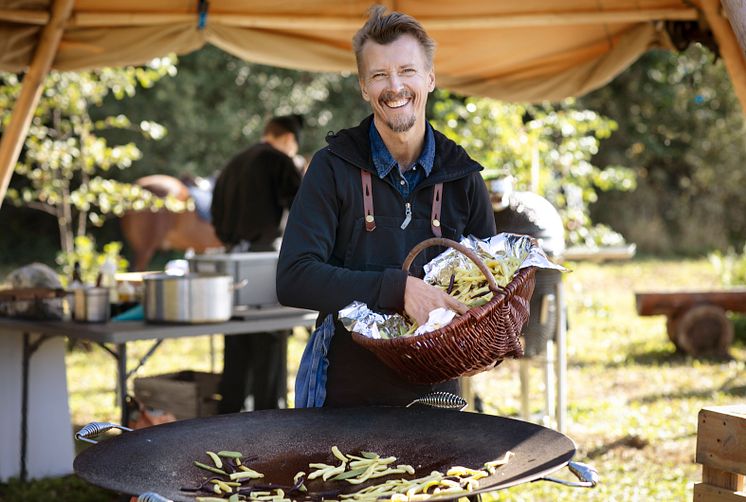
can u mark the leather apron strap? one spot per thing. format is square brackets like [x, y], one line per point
[435, 215]
[370, 219]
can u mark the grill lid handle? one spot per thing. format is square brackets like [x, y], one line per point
[587, 475]
[152, 497]
[94, 429]
[441, 399]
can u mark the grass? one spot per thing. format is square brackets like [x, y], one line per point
[633, 401]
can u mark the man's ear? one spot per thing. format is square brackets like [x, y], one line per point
[363, 90]
[431, 80]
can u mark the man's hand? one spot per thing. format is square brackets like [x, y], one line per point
[420, 298]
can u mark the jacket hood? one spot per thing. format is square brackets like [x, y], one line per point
[353, 146]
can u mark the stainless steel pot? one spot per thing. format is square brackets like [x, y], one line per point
[190, 298]
[91, 304]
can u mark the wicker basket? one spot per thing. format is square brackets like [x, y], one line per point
[473, 342]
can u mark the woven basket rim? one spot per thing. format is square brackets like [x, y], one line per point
[473, 315]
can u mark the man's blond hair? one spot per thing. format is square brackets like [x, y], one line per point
[383, 29]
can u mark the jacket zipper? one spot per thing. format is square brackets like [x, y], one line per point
[407, 215]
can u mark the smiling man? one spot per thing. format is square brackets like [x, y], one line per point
[372, 194]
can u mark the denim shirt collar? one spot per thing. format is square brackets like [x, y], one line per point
[383, 159]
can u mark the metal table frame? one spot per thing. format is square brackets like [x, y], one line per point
[114, 336]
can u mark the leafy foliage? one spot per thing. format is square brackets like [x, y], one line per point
[90, 259]
[681, 129]
[218, 105]
[64, 151]
[547, 146]
[731, 266]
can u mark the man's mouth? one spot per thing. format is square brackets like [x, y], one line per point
[397, 103]
[396, 100]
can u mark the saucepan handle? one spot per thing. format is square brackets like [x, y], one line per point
[587, 475]
[441, 399]
[94, 429]
[240, 284]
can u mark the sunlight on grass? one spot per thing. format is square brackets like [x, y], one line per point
[625, 381]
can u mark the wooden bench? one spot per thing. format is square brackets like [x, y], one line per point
[696, 322]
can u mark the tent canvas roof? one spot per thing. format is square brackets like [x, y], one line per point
[521, 51]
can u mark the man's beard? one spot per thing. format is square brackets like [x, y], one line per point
[402, 124]
[399, 123]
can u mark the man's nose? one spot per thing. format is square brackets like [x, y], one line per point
[395, 82]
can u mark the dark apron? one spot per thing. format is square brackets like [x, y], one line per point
[355, 375]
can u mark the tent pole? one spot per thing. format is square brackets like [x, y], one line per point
[737, 17]
[20, 119]
[731, 52]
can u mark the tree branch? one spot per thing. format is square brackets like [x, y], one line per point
[40, 206]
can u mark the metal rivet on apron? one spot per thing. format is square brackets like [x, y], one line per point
[370, 218]
[436, 223]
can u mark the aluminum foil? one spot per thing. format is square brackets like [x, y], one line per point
[520, 249]
[524, 249]
[359, 318]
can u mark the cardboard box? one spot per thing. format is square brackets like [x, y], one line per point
[186, 394]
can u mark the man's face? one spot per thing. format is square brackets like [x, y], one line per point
[285, 142]
[396, 79]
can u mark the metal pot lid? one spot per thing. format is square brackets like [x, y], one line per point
[279, 443]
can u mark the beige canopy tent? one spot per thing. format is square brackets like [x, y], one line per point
[527, 50]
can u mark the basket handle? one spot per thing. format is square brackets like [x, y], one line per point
[440, 241]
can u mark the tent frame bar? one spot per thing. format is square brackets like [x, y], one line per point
[113, 19]
[730, 50]
[23, 111]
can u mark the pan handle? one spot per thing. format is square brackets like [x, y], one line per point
[152, 497]
[96, 428]
[587, 475]
[441, 399]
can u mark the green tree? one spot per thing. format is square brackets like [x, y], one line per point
[65, 156]
[218, 105]
[681, 129]
[549, 147]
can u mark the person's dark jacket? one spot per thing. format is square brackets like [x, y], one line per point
[250, 195]
[328, 259]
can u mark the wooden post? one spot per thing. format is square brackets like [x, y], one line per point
[736, 12]
[733, 56]
[721, 449]
[20, 120]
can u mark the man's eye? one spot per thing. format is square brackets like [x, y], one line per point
[408, 71]
[379, 76]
